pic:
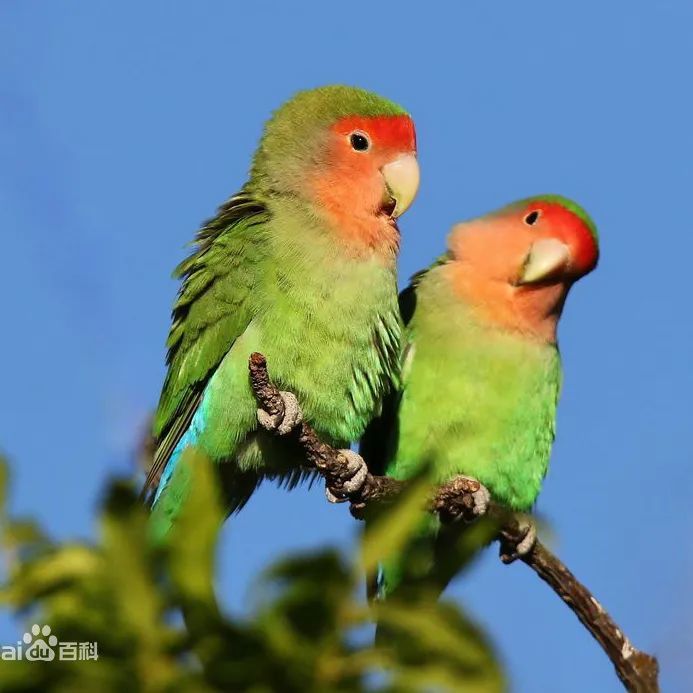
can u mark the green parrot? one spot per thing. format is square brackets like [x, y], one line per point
[481, 370]
[301, 266]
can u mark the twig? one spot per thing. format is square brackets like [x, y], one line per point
[637, 670]
[329, 462]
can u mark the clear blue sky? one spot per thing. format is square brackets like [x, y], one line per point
[123, 125]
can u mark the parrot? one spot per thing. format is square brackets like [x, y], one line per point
[481, 370]
[299, 265]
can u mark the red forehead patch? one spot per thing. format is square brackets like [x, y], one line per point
[389, 132]
[573, 230]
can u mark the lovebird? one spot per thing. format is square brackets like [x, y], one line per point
[300, 265]
[481, 370]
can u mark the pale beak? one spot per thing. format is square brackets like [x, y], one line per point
[545, 258]
[402, 181]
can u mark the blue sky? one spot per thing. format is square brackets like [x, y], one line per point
[123, 125]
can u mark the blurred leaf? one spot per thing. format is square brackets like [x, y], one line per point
[55, 570]
[437, 644]
[4, 485]
[192, 548]
[390, 531]
[130, 573]
[25, 534]
[306, 632]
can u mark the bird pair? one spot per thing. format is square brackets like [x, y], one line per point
[461, 374]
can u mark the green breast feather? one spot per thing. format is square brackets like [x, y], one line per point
[475, 400]
[265, 278]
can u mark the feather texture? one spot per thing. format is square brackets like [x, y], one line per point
[276, 272]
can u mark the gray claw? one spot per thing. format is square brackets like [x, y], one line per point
[332, 498]
[268, 421]
[282, 424]
[511, 552]
[527, 544]
[292, 414]
[357, 472]
[482, 499]
[462, 499]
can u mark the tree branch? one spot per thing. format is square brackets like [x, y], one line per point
[327, 460]
[637, 670]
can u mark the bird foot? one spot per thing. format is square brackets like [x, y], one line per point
[510, 548]
[462, 499]
[282, 424]
[481, 499]
[355, 475]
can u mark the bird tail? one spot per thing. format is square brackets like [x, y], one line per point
[404, 577]
[402, 580]
[411, 566]
[424, 568]
[226, 486]
[168, 507]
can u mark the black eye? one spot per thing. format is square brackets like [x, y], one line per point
[359, 142]
[532, 218]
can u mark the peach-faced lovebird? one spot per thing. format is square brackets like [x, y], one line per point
[481, 371]
[300, 266]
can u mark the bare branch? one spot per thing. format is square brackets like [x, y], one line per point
[637, 670]
[328, 461]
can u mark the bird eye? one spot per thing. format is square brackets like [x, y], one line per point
[532, 218]
[359, 141]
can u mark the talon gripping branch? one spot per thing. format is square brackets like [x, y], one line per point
[299, 264]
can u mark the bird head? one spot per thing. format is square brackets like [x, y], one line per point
[350, 154]
[517, 264]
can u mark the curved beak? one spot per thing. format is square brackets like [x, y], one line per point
[402, 181]
[544, 259]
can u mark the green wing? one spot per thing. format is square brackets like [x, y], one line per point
[213, 308]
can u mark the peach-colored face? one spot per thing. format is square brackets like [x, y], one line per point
[516, 267]
[500, 244]
[352, 186]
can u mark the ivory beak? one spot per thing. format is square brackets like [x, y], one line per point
[544, 259]
[402, 181]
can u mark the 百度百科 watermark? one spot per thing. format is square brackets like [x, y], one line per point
[39, 644]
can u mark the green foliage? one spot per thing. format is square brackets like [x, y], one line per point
[308, 632]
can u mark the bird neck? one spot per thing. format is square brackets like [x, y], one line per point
[532, 311]
[333, 233]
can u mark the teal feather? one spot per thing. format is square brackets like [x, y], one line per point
[266, 275]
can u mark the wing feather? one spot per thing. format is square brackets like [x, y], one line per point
[213, 308]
